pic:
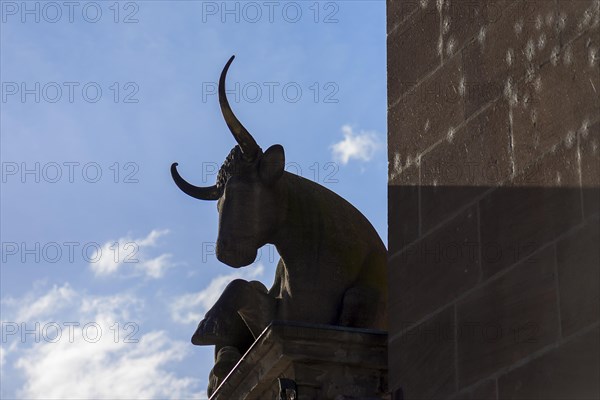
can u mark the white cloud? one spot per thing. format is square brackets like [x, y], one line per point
[84, 365]
[33, 307]
[190, 308]
[155, 267]
[105, 370]
[152, 237]
[133, 253]
[360, 146]
[2, 355]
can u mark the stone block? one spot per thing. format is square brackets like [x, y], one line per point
[576, 17]
[557, 101]
[467, 20]
[589, 145]
[428, 113]
[578, 258]
[403, 208]
[568, 372]
[485, 390]
[398, 11]
[434, 271]
[507, 319]
[412, 50]
[519, 39]
[320, 361]
[540, 204]
[403, 216]
[422, 359]
[476, 159]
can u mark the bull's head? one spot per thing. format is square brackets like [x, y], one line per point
[248, 191]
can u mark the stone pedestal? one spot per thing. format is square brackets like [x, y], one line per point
[301, 362]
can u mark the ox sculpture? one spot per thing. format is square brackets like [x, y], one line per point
[333, 264]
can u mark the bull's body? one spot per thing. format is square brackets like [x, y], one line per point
[328, 248]
[332, 271]
[333, 263]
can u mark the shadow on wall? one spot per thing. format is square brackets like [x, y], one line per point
[498, 289]
[494, 277]
[494, 154]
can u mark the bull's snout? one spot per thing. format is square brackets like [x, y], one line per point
[235, 253]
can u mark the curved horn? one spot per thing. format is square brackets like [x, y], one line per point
[201, 193]
[241, 135]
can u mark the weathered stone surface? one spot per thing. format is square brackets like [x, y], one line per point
[435, 270]
[540, 204]
[568, 372]
[532, 67]
[578, 258]
[589, 143]
[557, 101]
[508, 318]
[485, 390]
[466, 20]
[403, 206]
[412, 51]
[422, 359]
[398, 11]
[518, 40]
[323, 361]
[475, 160]
[427, 113]
[403, 215]
[577, 17]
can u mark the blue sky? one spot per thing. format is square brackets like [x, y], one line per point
[97, 112]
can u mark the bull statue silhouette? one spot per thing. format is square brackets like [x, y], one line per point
[333, 263]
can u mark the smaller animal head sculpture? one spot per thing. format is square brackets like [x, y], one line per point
[248, 191]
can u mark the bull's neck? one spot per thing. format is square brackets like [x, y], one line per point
[307, 225]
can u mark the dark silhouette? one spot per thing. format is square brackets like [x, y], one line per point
[333, 264]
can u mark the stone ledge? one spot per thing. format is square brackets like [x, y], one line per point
[313, 362]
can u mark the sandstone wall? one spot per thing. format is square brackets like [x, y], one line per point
[493, 140]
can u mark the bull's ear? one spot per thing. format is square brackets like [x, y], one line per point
[272, 164]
